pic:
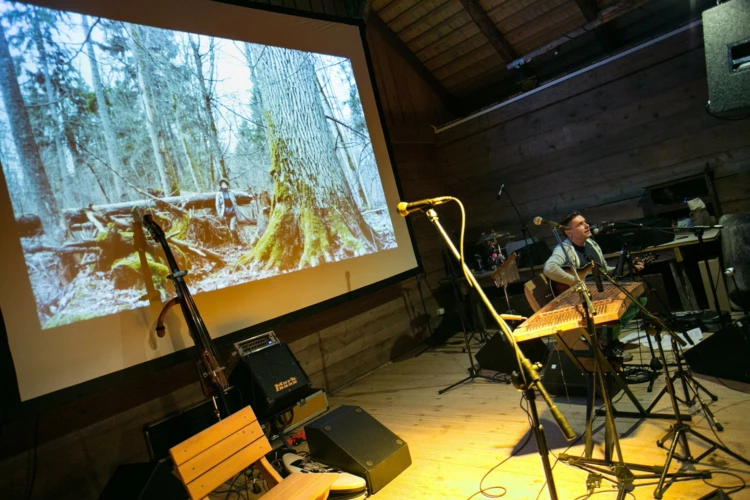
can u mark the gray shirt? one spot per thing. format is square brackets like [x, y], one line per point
[553, 268]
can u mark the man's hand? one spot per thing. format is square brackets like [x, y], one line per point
[638, 265]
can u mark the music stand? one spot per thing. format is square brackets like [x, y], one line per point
[505, 275]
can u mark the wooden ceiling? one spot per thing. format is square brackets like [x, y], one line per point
[480, 51]
[476, 52]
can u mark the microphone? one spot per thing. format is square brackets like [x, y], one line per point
[405, 208]
[598, 228]
[499, 193]
[539, 221]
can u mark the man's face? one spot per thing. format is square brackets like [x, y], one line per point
[578, 231]
[224, 186]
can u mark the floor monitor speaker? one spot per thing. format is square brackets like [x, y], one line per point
[726, 38]
[498, 355]
[724, 354]
[352, 440]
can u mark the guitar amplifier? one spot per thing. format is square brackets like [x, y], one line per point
[268, 376]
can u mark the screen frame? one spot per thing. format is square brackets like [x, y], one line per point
[16, 407]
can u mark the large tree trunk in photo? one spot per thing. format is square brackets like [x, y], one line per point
[314, 218]
[113, 151]
[144, 83]
[28, 153]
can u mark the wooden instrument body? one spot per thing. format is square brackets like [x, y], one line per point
[566, 311]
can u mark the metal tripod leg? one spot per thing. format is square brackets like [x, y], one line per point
[679, 432]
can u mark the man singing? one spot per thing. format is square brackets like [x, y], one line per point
[581, 249]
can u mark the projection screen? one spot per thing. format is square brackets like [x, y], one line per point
[252, 137]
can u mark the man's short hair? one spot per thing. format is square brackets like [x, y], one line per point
[565, 221]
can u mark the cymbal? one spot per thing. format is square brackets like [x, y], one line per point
[495, 235]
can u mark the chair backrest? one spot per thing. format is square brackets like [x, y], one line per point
[211, 457]
[538, 292]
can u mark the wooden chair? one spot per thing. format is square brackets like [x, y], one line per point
[215, 455]
[538, 292]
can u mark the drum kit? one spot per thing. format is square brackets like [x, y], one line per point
[494, 256]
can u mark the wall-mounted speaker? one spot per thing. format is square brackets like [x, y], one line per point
[352, 440]
[726, 38]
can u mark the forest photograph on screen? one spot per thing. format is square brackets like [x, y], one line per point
[255, 160]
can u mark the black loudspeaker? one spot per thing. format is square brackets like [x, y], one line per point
[270, 380]
[724, 354]
[498, 355]
[726, 38]
[562, 378]
[350, 439]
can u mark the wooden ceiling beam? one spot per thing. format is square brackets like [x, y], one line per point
[590, 11]
[604, 16]
[374, 22]
[489, 29]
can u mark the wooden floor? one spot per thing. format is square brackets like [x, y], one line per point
[457, 439]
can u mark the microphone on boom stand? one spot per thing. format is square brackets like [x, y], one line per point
[601, 226]
[539, 221]
[405, 208]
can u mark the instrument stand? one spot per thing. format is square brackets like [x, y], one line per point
[473, 372]
[688, 382]
[599, 469]
[527, 375]
[680, 431]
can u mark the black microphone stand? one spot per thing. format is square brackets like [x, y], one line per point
[526, 378]
[680, 431]
[683, 374]
[598, 468]
[525, 234]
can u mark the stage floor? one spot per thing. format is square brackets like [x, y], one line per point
[457, 438]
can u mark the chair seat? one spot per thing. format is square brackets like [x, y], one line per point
[302, 487]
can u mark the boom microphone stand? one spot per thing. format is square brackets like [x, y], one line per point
[527, 377]
[525, 234]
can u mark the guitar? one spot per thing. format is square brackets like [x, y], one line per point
[211, 371]
[557, 288]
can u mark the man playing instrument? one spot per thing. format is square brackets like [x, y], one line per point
[581, 249]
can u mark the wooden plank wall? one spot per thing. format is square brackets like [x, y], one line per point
[81, 443]
[595, 140]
